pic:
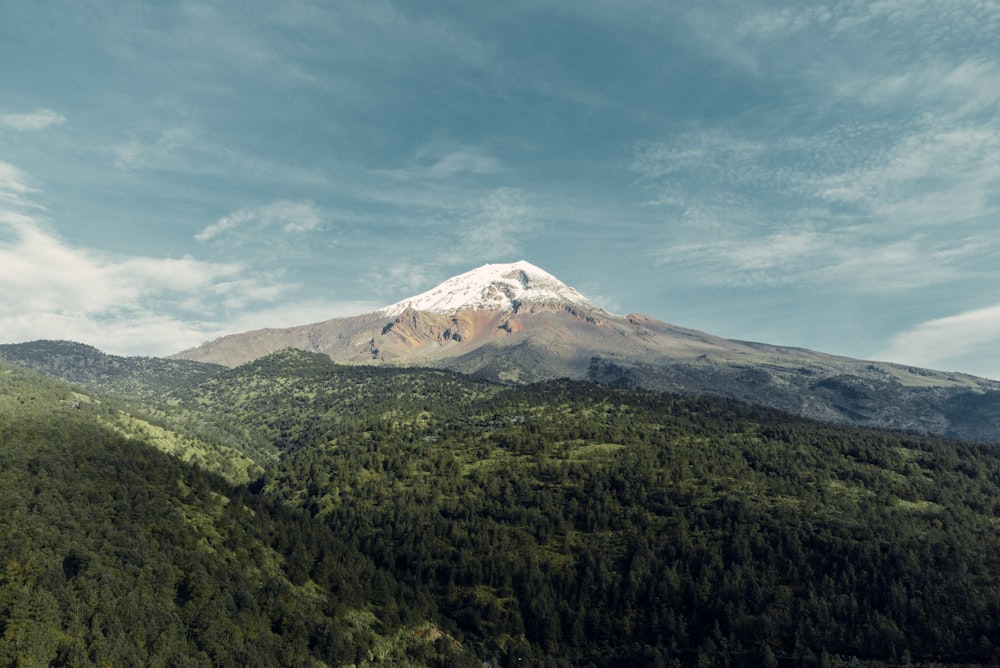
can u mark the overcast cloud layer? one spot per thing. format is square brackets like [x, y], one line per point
[824, 175]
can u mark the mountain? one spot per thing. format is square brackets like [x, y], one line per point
[494, 305]
[495, 287]
[516, 323]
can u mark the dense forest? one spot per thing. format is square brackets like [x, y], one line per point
[419, 517]
[115, 553]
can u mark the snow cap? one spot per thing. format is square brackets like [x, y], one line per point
[494, 287]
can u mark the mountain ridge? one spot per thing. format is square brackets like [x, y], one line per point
[516, 323]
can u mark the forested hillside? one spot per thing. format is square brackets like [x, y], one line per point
[117, 554]
[562, 524]
[141, 378]
[137, 388]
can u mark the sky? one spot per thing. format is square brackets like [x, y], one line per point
[823, 175]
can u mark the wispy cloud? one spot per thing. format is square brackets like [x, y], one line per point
[128, 304]
[496, 226]
[895, 266]
[14, 186]
[844, 257]
[967, 85]
[150, 149]
[38, 119]
[812, 257]
[442, 161]
[489, 228]
[898, 196]
[775, 259]
[293, 217]
[967, 341]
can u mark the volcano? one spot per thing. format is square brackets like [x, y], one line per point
[516, 323]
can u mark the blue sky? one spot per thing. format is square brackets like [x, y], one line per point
[823, 175]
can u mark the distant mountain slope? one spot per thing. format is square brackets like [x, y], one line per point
[517, 323]
[84, 364]
[141, 407]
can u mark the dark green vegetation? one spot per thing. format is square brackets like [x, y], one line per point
[142, 378]
[140, 385]
[560, 524]
[113, 553]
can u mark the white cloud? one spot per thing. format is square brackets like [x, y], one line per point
[53, 290]
[846, 257]
[401, 279]
[126, 305]
[905, 98]
[224, 224]
[894, 266]
[939, 174]
[290, 216]
[886, 208]
[33, 120]
[13, 186]
[962, 88]
[776, 259]
[967, 341]
[495, 228]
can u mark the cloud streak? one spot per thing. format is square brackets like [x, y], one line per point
[38, 119]
[292, 217]
[962, 341]
[491, 225]
[906, 199]
[438, 162]
[14, 186]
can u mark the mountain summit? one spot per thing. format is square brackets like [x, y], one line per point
[494, 287]
[516, 323]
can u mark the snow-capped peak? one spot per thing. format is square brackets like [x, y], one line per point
[494, 287]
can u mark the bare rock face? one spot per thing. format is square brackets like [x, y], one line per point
[517, 323]
[414, 330]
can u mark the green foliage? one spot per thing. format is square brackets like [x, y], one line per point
[417, 517]
[114, 553]
[142, 378]
[571, 522]
[137, 392]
